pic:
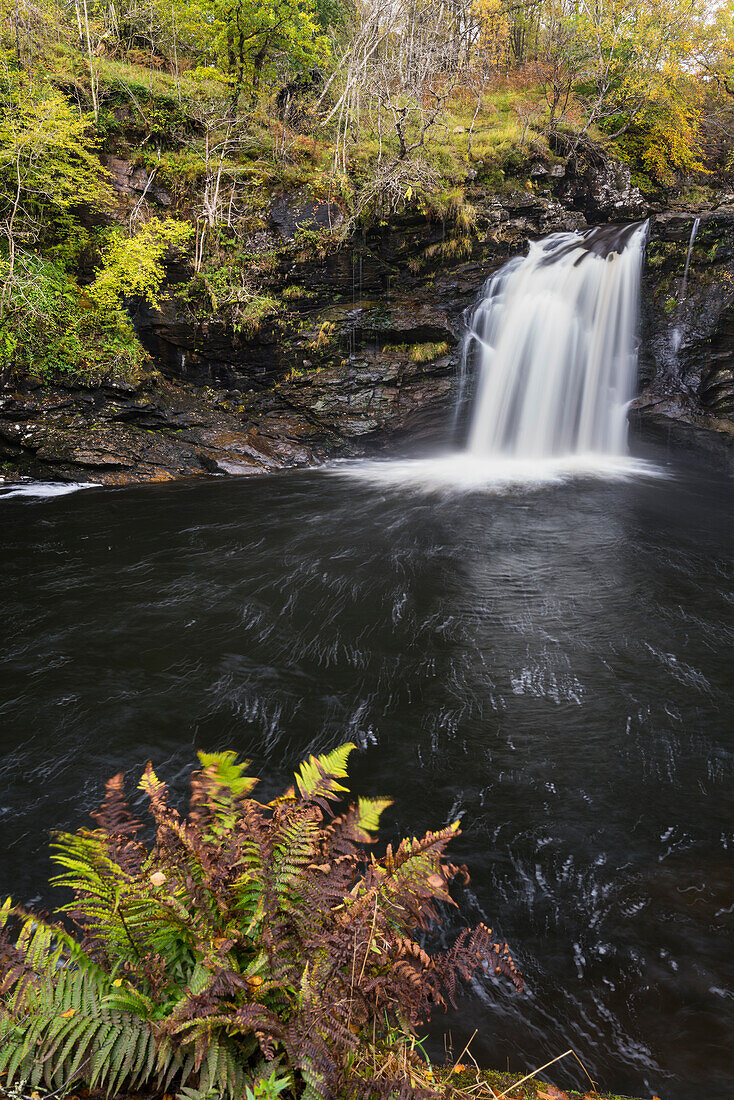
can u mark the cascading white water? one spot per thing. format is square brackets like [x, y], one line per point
[686, 269]
[557, 338]
[677, 334]
[556, 334]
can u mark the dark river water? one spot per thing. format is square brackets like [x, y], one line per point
[553, 664]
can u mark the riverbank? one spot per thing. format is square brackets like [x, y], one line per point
[303, 240]
[157, 430]
[460, 1082]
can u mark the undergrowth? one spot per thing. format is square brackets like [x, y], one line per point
[53, 329]
[426, 353]
[248, 949]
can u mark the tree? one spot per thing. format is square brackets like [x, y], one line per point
[47, 167]
[404, 64]
[132, 266]
[715, 49]
[256, 42]
[564, 57]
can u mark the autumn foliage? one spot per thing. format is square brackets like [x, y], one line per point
[247, 946]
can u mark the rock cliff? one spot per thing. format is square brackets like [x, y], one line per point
[687, 334]
[363, 349]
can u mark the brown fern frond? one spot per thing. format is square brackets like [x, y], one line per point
[432, 843]
[405, 948]
[15, 969]
[120, 827]
[156, 791]
[473, 950]
[114, 814]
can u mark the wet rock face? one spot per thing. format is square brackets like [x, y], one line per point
[687, 348]
[303, 210]
[368, 344]
[115, 435]
[395, 292]
[135, 183]
[603, 192]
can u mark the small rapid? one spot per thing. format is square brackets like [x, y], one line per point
[43, 490]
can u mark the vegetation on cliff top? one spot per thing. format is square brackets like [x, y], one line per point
[250, 948]
[363, 109]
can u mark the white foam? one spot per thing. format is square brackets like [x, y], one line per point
[464, 472]
[42, 490]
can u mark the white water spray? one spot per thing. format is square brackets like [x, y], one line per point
[557, 333]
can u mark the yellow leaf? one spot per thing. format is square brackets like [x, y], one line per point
[69, 1012]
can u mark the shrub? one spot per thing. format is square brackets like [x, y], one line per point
[502, 148]
[250, 946]
[133, 266]
[53, 329]
[294, 293]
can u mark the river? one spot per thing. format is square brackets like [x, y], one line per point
[551, 662]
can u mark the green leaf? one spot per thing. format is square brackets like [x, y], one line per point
[369, 811]
[222, 768]
[317, 777]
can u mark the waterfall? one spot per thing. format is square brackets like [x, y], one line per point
[682, 294]
[554, 339]
[691, 243]
[556, 334]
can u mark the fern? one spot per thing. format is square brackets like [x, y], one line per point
[58, 1025]
[317, 777]
[249, 950]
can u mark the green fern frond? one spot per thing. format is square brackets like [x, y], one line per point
[317, 777]
[58, 1024]
[222, 768]
[369, 811]
[296, 845]
[155, 788]
[124, 998]
[217, 791]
